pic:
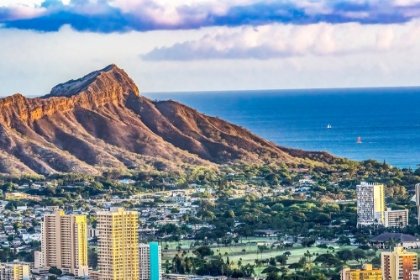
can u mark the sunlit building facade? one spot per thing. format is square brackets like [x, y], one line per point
[64, 243]
[366, 273]
[399, 264]
[118, 252]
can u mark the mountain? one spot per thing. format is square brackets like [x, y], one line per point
[100, 122]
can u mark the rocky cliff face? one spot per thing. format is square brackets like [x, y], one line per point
[100, 122]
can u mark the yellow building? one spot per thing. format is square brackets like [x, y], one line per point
[64, 243]
[16, 195]
[366, 273]
[370, 204]
[399, 264]
[118, 252]
[14, 271]
[21, 196]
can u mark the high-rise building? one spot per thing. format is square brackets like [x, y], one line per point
[118, 252]
[366, 273]
[418, 202]
[144, 262]
[14, 271]
[399, 264]
[396, 218]
[64, 242]
[150, 264]
[370, 204]
[155, 261]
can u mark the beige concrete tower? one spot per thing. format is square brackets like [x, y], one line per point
[64, 242]
[118, 245]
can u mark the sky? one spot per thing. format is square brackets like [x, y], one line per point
[210, 45]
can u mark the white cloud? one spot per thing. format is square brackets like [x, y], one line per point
[282, 56]
[385, 38]
[108, 16]
[280, 41]
[406, 3]
[29, 3]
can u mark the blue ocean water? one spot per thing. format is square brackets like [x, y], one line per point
[386, 119]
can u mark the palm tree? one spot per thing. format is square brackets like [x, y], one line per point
[400, 222]
[392, 242]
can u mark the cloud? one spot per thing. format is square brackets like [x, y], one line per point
[107, 16]
[385, 38]
[284, 41]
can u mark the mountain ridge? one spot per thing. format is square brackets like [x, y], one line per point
[101, 122]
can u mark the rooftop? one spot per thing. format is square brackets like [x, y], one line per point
[398, 236]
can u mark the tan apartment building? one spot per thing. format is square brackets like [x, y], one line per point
[399, 264]
[64, 243]
[396, 218]
[14, 271]
[370, 204]
[118, 252]
[366, 273]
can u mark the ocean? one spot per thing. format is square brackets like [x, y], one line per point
[386, 119]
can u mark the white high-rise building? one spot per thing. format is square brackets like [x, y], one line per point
[144, 262]
[418, 202]
[370, 204]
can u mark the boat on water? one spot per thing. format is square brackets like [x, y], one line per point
[359, 140]
[329, 126]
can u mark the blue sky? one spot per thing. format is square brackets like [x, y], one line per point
[200, 45]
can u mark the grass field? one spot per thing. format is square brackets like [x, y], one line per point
[247, 252]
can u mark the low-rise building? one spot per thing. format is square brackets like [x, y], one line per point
[14, 271]
[366, 273]
[405, 241]
[396, 218]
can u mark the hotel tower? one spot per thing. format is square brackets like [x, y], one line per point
[118, 245]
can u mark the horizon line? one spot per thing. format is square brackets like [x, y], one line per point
[248, 90]
[281, 89]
